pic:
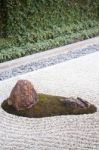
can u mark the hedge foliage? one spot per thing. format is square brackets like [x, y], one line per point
[35, 25]
[37, 19]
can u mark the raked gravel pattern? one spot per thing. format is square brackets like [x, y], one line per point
[78, 77]
[48, 62]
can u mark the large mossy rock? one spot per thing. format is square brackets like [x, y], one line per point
[49, 105]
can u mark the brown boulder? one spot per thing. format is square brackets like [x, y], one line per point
[23, 95]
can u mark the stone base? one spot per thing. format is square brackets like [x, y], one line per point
[49, 105]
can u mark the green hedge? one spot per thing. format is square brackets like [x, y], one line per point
[16, 52]
[32, 19]
[35, 25]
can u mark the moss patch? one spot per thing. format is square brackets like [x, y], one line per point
[49, 105]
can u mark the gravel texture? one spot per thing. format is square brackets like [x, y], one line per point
[78, 77]
[48, 62]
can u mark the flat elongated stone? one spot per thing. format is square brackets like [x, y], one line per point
[75, 102]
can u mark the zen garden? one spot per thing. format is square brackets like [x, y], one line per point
[49, 75]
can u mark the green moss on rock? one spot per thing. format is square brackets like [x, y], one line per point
[49, 105]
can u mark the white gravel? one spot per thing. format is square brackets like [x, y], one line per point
[78, 77]
[49, 61]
